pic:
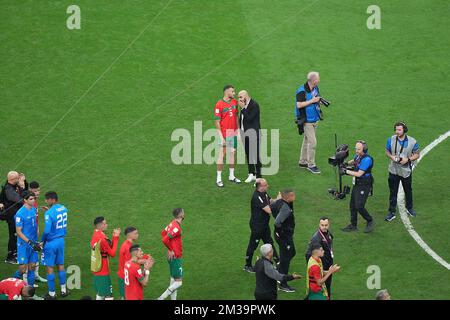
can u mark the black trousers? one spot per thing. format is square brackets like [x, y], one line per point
[252, 154]
[259, 233]
[394, 182]
[12, 242]
[287, 252]
[360, 193]
[265, 296]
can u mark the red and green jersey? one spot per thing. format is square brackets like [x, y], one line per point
[227, 112]
[107, 248]
[12, 287]
[124, 256]
[133, 275]
[171, 237]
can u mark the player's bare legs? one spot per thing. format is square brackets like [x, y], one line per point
[220, 158]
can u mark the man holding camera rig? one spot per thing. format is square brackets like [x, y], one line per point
[362, 186]
[308, 114]
[402, 150]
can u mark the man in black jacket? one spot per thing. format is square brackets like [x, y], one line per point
[267, 276]
[12, 203]
[324, 238]
[283, 212]
[250, 126]
[259, 222]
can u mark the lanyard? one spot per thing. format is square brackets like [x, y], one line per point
[402, 145]
[326, 241]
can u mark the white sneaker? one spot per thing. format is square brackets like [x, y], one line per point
[250, 178]
[219, 184]
[234, 180]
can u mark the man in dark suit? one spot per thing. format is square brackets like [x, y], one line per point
[249, 126]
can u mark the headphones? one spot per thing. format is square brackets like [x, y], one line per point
[365, 147]
[401, 123]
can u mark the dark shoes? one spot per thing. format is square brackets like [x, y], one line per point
[314, 170]
[369, 227]
[249, 269]
[411, 212]
[65, 294]
[350, 228]
[390, 217]
[285, 288]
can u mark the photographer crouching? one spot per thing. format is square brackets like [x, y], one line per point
[362, 186]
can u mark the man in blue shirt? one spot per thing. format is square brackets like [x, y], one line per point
[307, 110]
[27, 246]
[362, 186]
[53, 243]
[402, 150]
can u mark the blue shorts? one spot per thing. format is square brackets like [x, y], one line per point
[26, 254]
[53, 253]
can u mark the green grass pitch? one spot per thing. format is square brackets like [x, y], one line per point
[110, 155]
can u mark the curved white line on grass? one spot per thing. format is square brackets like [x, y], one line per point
[404, 215]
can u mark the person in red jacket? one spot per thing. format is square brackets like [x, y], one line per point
[108, 248]
[15, 289]
[171, 237]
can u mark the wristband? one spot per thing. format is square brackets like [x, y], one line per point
[147, 272]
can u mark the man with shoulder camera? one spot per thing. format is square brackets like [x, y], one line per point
[362, 186]
[402, 150]
[308, 116]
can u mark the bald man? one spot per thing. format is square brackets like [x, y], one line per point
[12, 203]
[259, 222]
[308, 109]
[250, 126]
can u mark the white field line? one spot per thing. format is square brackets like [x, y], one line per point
[404, 215]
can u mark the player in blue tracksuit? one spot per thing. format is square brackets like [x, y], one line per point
[27, 246]
[53, 243]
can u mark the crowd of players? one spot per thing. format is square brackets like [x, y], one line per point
[18, 205]
[19, 208]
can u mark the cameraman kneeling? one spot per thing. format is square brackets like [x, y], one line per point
[362, 186]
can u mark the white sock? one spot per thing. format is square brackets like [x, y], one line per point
[232, 173]
[99, 298]
[173, 296]
[36, 270]
[52, 293]
[109, 298]
[219, 176]
[63, 288]
[170, 290]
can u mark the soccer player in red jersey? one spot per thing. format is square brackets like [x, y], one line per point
[124, 255]
[15, 289]
[102, 280]
[135, 280]
[225, 116]
[171, 237]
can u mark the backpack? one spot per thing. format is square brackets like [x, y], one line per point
[96, 257]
